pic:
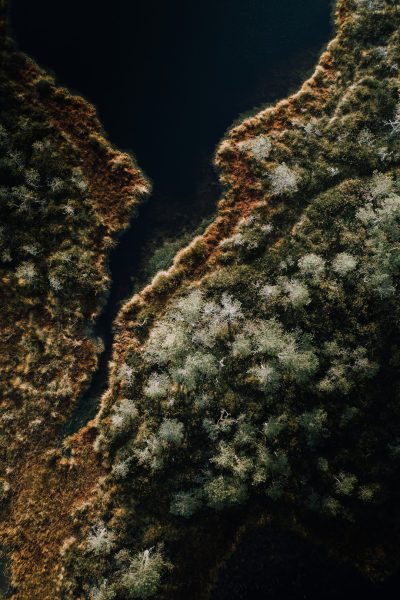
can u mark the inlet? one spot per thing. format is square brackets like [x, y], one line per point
[168, 79]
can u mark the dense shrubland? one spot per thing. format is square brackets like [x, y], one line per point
[266, 384]
[270, 393]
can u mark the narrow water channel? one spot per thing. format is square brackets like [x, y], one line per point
[168, 79]
[5, 585]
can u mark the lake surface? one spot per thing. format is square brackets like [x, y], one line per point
[169, 77]
[271, 564]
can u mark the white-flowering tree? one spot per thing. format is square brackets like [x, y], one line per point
[283, 180]
[27, 272]
[259, 147]
[344, 263]
[124, 414]
[312, 265]
[102, 592]
[171, 431]
[297, 293]
[100, 540]
[394, 123]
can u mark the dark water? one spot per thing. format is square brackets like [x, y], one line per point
[168, 77]
[274, 565]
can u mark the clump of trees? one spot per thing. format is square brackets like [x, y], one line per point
[270, 390]
[138, 576]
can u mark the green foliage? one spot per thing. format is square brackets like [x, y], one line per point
[171, 432]
[162, 257]
[102, 592]
[314, 424]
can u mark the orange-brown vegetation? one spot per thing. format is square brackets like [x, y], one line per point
[45, 487]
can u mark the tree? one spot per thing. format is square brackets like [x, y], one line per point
[171, 432]
[312, 265]
[124, 414]
[142, 577]
[344, 263]
[185, 504]
[259, 147]
[100, 540]
[283, 180]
